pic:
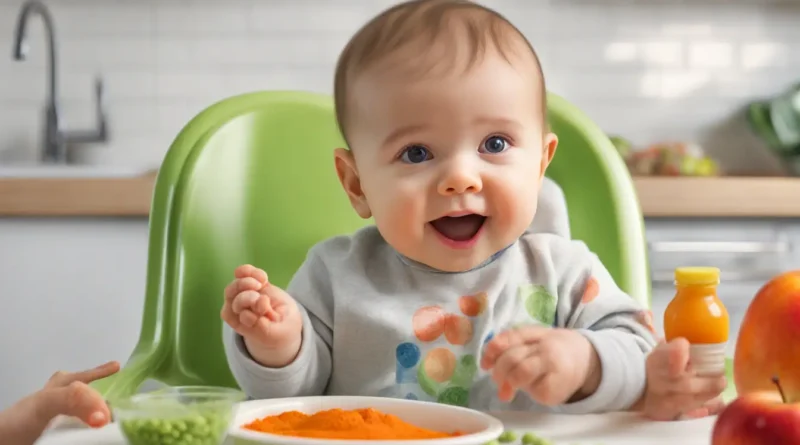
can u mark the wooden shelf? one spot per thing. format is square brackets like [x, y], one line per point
[742, 197]
[48, 197]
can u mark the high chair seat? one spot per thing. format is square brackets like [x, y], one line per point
[551, 212]
[251, 180]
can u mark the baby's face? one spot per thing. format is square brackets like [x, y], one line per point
[450, 167]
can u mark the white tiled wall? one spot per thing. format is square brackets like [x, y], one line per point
[651, 70]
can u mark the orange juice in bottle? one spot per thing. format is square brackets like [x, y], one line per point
[697, 314]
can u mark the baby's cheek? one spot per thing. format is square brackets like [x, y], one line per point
[400, 220]
[513, 203]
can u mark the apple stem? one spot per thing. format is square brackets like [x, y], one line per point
[777, 383]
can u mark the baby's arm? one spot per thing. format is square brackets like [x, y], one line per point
[310, 371]
[619, 329]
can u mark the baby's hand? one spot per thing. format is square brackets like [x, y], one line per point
[550, 365]
[264, 315]
[66, 394]
[674, 391]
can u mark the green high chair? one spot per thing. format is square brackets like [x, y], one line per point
[251, 180]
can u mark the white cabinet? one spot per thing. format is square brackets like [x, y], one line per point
[747, 252]
[791, 230]
[73, 293]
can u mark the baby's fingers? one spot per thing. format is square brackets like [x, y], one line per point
[500, 344]
[240, 285]
[677, 356]
[77, 400]
[715, 406]
[62, 378]
[506, 392]
[709, 408]
[705, 388]
[97, 373]
[246, 300]
[248, 270]
[698, 413]
[247, 318]
[260, 304]
[520, 366]
[670, 408]
[229, 317]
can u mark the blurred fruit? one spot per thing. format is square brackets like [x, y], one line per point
[672, 159]
[706, 167]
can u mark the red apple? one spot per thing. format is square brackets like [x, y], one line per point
[758, 418]
[768, 343]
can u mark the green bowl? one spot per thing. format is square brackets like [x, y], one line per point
[182, 415]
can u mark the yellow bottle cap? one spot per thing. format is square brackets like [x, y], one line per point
[696, 276]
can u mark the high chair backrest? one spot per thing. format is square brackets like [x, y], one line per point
[603, 208]
[251, 180]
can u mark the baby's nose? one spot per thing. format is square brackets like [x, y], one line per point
[459, 181]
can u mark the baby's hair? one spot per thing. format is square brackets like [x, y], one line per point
[464, 24]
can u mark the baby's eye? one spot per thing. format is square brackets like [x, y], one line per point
[494, 144]
[415, 154]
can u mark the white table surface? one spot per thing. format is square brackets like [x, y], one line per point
[596, 429]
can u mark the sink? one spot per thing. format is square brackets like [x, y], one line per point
[26, 171]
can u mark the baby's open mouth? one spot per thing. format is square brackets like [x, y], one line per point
[459, 228]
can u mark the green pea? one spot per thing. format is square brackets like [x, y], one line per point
[492, 442]
[507, 437]
[532, 439]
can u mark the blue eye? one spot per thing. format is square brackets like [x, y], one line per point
[415, 154]
[494, 145]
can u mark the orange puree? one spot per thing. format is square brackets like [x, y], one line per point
[359, 424]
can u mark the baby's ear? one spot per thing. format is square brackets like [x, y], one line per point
[351, 182]
[549, 146]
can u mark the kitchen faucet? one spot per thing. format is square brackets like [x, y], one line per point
[56, 138]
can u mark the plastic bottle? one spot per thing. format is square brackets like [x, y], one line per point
[697, 314]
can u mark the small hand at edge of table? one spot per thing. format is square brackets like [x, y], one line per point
[65, 393]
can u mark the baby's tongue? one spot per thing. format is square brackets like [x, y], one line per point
[461, 228]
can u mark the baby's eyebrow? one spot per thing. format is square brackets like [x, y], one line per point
[400, 133]
[498, 121]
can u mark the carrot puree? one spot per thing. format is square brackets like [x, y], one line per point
[358, 424]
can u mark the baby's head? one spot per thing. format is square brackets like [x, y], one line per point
[442, 104]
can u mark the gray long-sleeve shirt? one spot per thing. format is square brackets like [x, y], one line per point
[376, 323]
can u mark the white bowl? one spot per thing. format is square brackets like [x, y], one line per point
[477, 428]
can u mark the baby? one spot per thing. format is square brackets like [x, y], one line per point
[447, 298]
